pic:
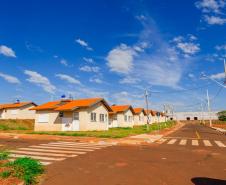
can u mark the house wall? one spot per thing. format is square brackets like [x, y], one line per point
[85, 118]
[113, 122]
[139, 119]
[150, 119]
[54, 123]
[21, 113]
[85, 123]
[121, 120]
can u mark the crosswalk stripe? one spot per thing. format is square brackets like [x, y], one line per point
[37, 157]
[207, 143]
[172, 141]
[88, 147]
[162, 140]
[49, 150]
[75, 144]
[183, 142]
[220, 144]
[80, 143]
[63, 148]
[195, 142]
[41, 153]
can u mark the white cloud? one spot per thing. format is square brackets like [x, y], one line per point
[187, 46]
[214, 20]
[221, 47]
[6, 51]
[87, 68]
[129, 80]
[64, 62]
[83, 44]
[9, 78]
[120, 59]
[88, 60]
[68, 78]
[218, 76]
[40, 80]
[96, 80]
[210, 6]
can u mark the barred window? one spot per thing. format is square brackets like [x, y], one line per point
[93, 117]
[101, 117]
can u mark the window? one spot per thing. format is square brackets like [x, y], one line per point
[130, 118]
[76, 115]
[61, 114]
[14, 112]
[106, 117]
[125, 117]
[115, 117]
[93, 116]
[101, 117]
[139, 118]
[43, 118]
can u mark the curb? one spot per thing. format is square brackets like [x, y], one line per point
[219, 130]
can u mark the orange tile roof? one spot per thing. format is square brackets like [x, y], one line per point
[153, 113]
[15, 105]
[69, 105]
[79, 104]
[138, 110]
[121, 108]
[147, 111]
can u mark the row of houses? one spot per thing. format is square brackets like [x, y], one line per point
[79, 115]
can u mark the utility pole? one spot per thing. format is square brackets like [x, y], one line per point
[224, 71]
[146, 102]
[208, 104]
[202, 113]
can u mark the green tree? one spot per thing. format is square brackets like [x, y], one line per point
[222, 115]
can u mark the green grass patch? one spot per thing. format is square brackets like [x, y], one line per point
[26, 169]
[114, 132]
[16, 124]
[4, 155]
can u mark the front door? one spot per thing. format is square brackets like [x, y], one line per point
[75, 122]
[67, 124]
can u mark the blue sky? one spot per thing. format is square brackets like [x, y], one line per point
[113, 49]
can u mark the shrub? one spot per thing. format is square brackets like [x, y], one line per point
[222, 115]
[26, 169]
[4, 155]
[5, 174]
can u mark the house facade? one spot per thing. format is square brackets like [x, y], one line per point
[72, 115]
[139, 116]
[121, 116]
[17, 110]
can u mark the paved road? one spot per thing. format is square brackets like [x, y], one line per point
[155, 164]
[192, 155]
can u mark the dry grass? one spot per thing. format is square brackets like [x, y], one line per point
[16, 124]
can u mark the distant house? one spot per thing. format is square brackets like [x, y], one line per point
[17, 110]
[139, 116]
[155, 118]
[148, 116]
[72, 115]
[121, 116]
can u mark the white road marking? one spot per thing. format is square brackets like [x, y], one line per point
[207, 143]
[85, 147]
[62, 148]
[220, 144]
[183, 142]
[162, 140]
[75, 144]
[56, 151]
[195, 142]
[37, 157]
[172, 141]
[40, 153]
[80, 143]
